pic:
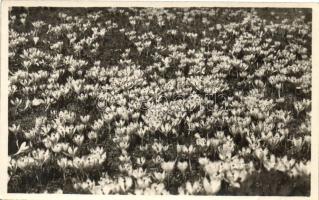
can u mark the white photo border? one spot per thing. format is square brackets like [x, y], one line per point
[72, 3]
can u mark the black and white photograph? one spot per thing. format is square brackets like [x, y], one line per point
[143, 100]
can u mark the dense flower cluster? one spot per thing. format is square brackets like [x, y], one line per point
[160, 101]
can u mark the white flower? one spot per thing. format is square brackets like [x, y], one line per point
[140, 161]
[160, 176]
[25, 162]
[63, 163]
[143, 182]
[41, 155]
[212, 168]
[168, 166]
[23, 20]
[203, 161]
[193, 188]
[14, 129]
[35, 40]
[23, 148]
[65, 146]
[298, 143]
[212, 186]
[80, 127]
[261, 153]
[85, 119]
[182, 166]
[188, 150]
[72, 151]
[57, 148]
[78, 163]
[97, 125]
[138, 173]
[78, 139]
[125, 184]
[92, 135]
[55, 137]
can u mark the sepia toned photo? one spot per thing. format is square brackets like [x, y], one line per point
[144, 100]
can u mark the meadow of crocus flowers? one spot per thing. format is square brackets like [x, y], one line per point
[190, 101]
